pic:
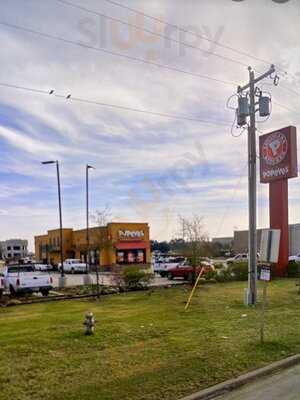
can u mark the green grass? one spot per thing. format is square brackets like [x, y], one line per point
[145, 346]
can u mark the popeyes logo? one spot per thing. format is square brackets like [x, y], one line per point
[278, 155]
[275, 149]
[131, 234]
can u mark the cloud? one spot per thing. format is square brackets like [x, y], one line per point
[147, 167]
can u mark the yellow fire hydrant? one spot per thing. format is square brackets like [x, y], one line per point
[89, 323]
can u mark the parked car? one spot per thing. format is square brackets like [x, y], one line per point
[20, 279]
[163, 266]
[229, 254]
[42, 267]
[186, 271]
[1, 284]
[73, 265]
[295, 258]
[238, 258]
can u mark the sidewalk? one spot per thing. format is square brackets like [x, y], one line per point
[284, 385]
[106, 280]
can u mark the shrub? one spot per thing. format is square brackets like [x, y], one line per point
[219, 265]
[223, 275]
[210, 275]
[293, 269]
[135, 278]
[239, 271]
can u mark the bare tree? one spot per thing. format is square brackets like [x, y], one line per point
[195, 237]
[102, 217]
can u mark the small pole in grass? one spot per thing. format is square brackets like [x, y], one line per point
[194, 288]
[269, 252]
[265, 276]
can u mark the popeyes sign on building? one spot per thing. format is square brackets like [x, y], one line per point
[127, 234]
[278, 155]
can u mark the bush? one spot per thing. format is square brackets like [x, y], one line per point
[233, 272]
[210, 275]
[239, 271]
[219, 265]
[293, 269]
[223, 275]
[135, 278]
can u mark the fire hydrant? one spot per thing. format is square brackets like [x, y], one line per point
[89, 323]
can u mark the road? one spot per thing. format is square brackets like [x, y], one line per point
[106, 279]
[284, 385]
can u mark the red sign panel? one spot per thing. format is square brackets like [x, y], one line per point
[278, 155]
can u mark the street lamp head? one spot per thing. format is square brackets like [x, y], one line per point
[89, 166]
[48, 162]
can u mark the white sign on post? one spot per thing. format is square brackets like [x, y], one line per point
[265, 274]
[269, 246]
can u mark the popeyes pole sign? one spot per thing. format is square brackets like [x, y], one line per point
[278, 155]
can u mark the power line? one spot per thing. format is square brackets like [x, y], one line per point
[286, 107]
[290, 90]
[88, 10]
[188, 31]
[116, 106]
[293, 91]
[70, 4]
[113, 53]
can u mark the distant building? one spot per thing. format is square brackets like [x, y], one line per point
[224, 241]
[14, 249]
[240, 242]
[113, 244]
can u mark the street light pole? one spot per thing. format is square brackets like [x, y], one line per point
[88, 167]
[87, 279]
[60, 222]
[62, 279]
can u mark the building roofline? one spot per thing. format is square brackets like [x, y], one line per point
[57, 229]
[128, 223]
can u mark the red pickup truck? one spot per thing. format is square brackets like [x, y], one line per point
[186, 271]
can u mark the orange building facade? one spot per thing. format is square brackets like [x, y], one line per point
[114, 244]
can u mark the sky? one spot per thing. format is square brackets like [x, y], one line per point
[148, 168]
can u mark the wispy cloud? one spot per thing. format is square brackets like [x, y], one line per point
[147, 168]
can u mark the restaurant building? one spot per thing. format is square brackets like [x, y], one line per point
[114, 244]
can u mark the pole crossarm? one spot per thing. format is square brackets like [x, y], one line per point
[256, 80]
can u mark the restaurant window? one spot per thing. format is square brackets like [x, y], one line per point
[120, 257]
[131, 256]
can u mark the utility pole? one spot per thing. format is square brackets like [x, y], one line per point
[246, 109]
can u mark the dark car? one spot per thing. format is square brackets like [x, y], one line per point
[186, 271]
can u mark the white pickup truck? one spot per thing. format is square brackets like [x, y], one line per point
[20, 279]
[73, 265]
[163, 266]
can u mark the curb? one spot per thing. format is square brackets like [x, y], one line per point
[235, 383]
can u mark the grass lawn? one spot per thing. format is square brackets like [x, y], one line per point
[145, 346]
